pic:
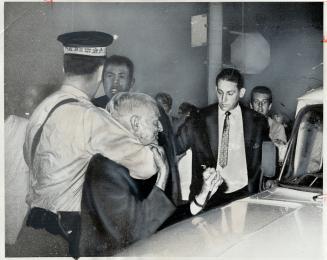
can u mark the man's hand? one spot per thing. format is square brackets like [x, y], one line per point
[211, 181]
[162, 164]
[270, 184]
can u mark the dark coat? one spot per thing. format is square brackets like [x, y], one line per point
[116, 210]
[203, 139]
[193, 134]
[167, 141]
[101, 101]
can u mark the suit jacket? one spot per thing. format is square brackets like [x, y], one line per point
[256, 130]
[116, 210]
[167, 141]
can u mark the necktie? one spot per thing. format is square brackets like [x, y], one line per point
[223, 152]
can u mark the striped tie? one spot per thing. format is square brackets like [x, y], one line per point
[223, 152]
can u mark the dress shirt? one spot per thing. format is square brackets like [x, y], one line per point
[235, 173]
[71, 136]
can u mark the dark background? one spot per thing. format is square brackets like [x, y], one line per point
[294, 32]
[157, 37]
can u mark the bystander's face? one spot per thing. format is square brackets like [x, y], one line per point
[164, 105]
[261, 103]
[149, 128]
[116, 78]
[228, 94]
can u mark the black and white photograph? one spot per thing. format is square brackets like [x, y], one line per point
[163, 129]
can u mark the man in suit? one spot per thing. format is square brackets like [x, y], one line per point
[118, 76]
[232, 142]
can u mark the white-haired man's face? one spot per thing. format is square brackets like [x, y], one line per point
[146, 127]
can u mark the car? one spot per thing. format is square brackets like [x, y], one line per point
[282, 222]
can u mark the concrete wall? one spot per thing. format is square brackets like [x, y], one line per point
[156, 36]
[294, 32]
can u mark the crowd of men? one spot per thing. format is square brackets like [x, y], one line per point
[104, 171]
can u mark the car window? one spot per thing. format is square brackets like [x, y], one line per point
[304, 159]
[308, 152]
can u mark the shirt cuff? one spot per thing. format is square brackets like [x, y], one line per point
[194, 208]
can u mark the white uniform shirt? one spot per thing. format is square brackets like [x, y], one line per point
[235, 172]
[71, 136]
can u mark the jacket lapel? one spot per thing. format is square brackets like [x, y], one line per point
[212, 127]
[245, 119]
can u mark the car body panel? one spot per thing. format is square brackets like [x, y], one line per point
[273, 222]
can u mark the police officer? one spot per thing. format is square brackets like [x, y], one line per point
[64, 131]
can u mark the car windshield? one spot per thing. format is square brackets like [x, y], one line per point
[303, 164]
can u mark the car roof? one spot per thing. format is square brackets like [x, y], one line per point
[280, 222]
[311, 97]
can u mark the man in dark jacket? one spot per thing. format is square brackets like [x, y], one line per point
[118, 76]
[231, 142]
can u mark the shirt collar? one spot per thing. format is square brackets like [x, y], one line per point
[75, 91]
[234, 112]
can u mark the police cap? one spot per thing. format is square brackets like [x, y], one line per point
[89, 43]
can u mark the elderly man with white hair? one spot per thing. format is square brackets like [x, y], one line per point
[120, 204]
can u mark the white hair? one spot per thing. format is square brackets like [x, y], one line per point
[123, 105]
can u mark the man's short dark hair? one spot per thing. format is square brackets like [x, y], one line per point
[186, 107]
[262, 90]
[232, 75]
[120, 60]
[81, 64]
[165, 97]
